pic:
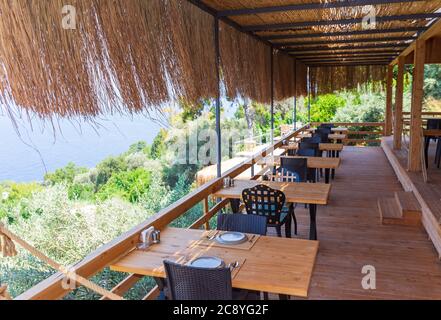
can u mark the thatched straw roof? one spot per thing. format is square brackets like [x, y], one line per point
[123, 56]
[323, 33]
[134, 55]
[329, 79]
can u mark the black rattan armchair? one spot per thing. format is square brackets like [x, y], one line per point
[264, 201]
[190, 283]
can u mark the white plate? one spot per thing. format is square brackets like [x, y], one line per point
[231, 237]
[207, 262]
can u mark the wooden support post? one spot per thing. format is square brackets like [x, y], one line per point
[414, 163]
[388, 113]
[272, 95]
[398, 124]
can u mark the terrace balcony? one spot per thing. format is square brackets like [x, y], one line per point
[375, 211]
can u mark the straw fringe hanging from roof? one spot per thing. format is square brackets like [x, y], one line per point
[123, 56]
[301, 79]
[284, 77]
[330, 79]
[246, 65]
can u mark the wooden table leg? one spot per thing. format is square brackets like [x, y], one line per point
[312, 225]
[235, 205]
[327, 171]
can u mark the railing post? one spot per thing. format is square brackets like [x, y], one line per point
[398, 124]
[206, 211]
[388, 112]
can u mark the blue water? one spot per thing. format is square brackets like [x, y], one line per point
[81, 144]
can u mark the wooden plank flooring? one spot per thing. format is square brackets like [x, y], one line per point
[351, 236]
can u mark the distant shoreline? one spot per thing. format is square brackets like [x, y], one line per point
[19, 162]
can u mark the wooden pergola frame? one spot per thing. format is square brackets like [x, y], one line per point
[426, 49]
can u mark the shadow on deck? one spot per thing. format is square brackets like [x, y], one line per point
[351, 236]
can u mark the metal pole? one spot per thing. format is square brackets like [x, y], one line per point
[295, 96]
[295, 113]
[272, 95]
[309, 95]
[218, 102]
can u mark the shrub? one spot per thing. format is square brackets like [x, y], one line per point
[85, 191]
[128, 185]
[66, 231]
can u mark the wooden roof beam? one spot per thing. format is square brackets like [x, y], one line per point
[348, 59]
[343, 33]
[307, 6]
[433, 31]
[385, 63]
[321, 54]
[395, 39]
[316, 23]
[315, 49]
[333, 56]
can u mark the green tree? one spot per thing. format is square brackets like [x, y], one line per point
[107, 168]
[158, 148]
[64, 175]
[432, 82]
[324, 107]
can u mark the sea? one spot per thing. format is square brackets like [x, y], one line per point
[31, 148]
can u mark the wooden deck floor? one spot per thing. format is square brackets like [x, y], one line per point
[351, 236]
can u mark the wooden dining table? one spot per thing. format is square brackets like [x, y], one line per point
[337, 137]
[327, 164]
[322, 146]
[295, 192]
[341, 130]
[275, 265]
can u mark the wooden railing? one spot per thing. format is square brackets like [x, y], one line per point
[361, 133]
[52, 288]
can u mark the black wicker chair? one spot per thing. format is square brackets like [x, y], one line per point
[190, 283]
[433, 124]
[323, 133]
[295, 165]
[242, 223]
[327, 125]
[310, 145]
[264, 201]
[245, 223]
[316, 138]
